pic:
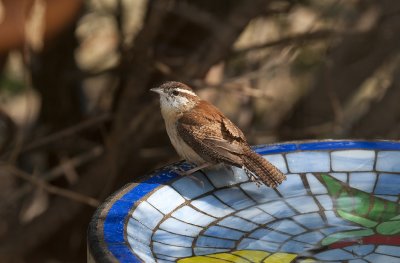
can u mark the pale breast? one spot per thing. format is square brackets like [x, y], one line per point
[184, 150]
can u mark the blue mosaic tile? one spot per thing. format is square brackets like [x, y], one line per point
[254, 244]
[223, 232]
[164, 261]
[157, 199]
[212, 206]
[237, 223]
[388, 184]
[334, 220]
[138, 231]
[279, 161]
[268, 235]
[147, 215]
[389, 250]
[277, 209]
[287, 226]
[306, 162]
[310, 237]
[335, 229]
[203, 241]
[179, 227]
[357, 261]
[316, 186]
[363, 181]
[340, 176]
[208, 250]
[192, 216]
[234, 197]
[303, 204]
[338, 254]
[325, 201]
[382, 258]
[226, 176]
[191, 188]
[172, 239]
[142, 250]
[361, 250]
[353, 160]
[255, 215]
[393, 198]
[296, 247]
[292, 187]
[261, 193]
[172, 251]
[311, 220]
[388, 161]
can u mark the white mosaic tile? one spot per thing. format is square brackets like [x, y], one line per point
[234, 197]
[203, 241]
[340, 176]
[255, 244]
[212, 206]
[277, 209]
[147, 215]
[141, 250]
[192, 186]
[192, 216]
[226, 176]
[325, 201]
[260, 194]
[353, 160]
[158, 199]
[173, 251]
[138, 231]
[237, 223]
[303, 204]
[292, 187]
[303, 162]
[363, 181]
[255, 215]
[175, 226]
[316, 186]
[310, 220]
[172, 239]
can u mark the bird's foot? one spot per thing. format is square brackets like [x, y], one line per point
[191, 172]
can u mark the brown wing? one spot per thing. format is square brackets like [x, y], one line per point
[212, 135]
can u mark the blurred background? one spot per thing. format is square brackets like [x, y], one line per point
[77, 121]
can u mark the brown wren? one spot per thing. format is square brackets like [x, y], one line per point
[202, 135]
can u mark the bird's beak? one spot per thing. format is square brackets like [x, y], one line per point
[156, 90]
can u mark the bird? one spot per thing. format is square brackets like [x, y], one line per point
[202, 135]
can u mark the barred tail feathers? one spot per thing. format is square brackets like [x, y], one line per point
[261, 171]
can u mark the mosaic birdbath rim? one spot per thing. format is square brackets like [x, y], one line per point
[340, 202]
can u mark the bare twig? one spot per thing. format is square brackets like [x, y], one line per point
[56, 172]
[295, 39]
[53, 189]
[67, 132]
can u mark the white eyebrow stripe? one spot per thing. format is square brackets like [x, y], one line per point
[186, 91]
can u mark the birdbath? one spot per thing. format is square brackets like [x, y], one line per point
[340, 203]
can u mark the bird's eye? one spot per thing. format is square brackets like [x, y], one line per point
[175, 93]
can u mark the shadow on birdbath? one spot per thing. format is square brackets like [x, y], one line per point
[340, 202]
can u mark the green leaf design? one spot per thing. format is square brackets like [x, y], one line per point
[358, 206]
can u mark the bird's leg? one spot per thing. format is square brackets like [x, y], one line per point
[192, 171]
[197, 168]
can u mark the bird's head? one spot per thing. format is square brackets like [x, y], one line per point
[176, 97]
